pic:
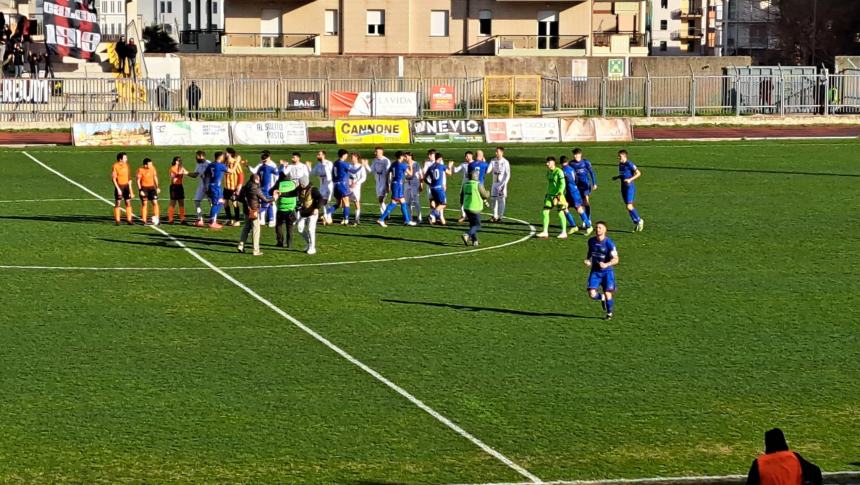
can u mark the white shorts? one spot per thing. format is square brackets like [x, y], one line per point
[411, 191]
[200, 194]
[497, 190]
[326, 191]
[355, 196]
[381, 189]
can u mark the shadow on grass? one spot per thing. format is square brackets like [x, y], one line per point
[372, 482]
[491, 310]
[71, 219]
[741, 170]
[390, 238]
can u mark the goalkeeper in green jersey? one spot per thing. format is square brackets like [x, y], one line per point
[554, 198]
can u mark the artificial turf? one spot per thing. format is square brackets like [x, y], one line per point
[736, 312]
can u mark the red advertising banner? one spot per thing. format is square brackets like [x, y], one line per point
[71, 28]
[442, 98]
[340, 103]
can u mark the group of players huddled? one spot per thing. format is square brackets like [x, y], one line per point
[282, 195]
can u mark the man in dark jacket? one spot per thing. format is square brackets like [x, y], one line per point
[194, 94]
[121, 53]
[779, 466]
[311, 203]
[131, 56]
[252, 195]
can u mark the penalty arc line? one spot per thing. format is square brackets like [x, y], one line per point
[376, 375]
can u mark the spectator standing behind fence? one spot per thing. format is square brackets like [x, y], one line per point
[162, 95]
[780, 466]
[18, 59]
[49, 67]
[33, 63]
[194, 94]
[120, 53]
[131, 56]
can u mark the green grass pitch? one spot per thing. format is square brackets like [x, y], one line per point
[737, 311]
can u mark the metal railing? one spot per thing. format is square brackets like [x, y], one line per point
[193, 36]
[603, 39]
[268, 40]
[541, 41]
[255, 99]
[690, 13]
[685, 34]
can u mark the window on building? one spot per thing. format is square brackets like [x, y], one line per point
[215, 7]
[485, 23]
[376, 22]
[664, 3]
[161, 7]
[169, 7]
[664, 46]
[331, 22]
[664, 24]
[438, 23]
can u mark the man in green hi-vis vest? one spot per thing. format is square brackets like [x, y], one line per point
[474, 199]
[286, 193]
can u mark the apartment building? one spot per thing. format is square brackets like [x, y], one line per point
[175, 16]
[436, 27]
[679, 27]
[749, 27]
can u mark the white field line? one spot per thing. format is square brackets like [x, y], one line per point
[16, 201]
[376, 375]
[531, 233]
[692, 480]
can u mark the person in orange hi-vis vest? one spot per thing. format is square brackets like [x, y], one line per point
[780, 466]
[147, 183]
[122, 188]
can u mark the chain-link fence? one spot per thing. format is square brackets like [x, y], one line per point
[94, 100]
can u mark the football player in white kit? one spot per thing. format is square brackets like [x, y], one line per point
[356, 180]
[414, 185]
[199, 196]
[323, 171]
[380, 167]
[501, 169]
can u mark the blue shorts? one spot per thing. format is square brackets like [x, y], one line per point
[396, 191]
[341, 190]
[573, 198]
[605, 278]
[583, 190]
[628, 192]
[215, 193]
[438, 196]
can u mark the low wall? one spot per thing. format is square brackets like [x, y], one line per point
[220, 66]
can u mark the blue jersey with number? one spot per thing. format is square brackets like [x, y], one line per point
[585, 177]
[267, 173]
[479, 165]
[341, 171]
[398, 172]
[215, 172]
[436, 175]
[601, 252]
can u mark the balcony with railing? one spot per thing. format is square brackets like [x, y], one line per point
[541, 45]
[619, 43]
[692, 13]
[274, 44]
[687, 34]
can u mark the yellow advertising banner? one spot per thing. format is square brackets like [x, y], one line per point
[369, 132]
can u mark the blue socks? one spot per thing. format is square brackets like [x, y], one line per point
[404, 208]
[634, 215]
[570, 219]
[390, 207]
[585, 219]
[610, 304]
[216, 209]
[597, 297]
[346, 213]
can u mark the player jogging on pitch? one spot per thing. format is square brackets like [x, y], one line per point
[554, 199]
[586, 180]
[601, 258]
[573, 198]
[628, 173]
